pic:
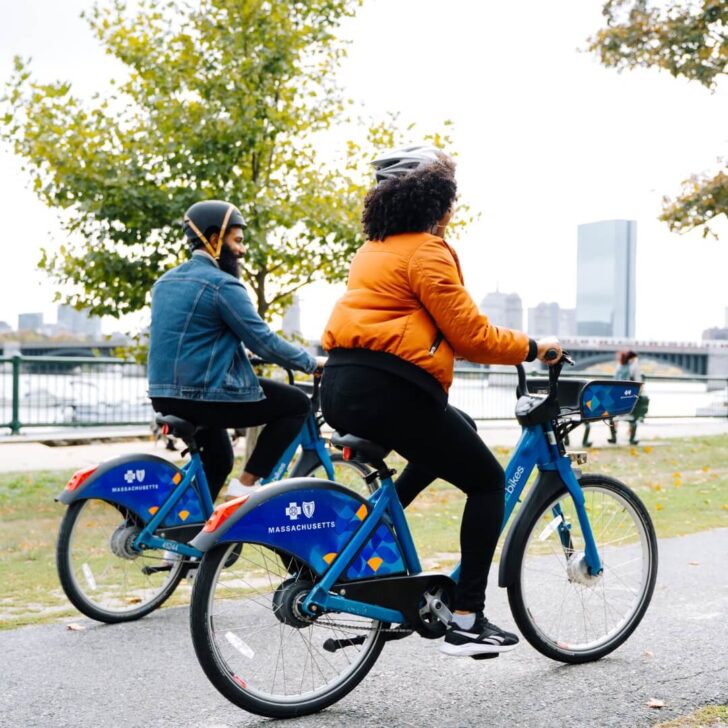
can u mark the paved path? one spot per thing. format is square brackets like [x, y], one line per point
[21, 454]
[145, 674]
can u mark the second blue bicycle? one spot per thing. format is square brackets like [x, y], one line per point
[123, 548]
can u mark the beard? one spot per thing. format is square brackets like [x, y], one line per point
[229, 262]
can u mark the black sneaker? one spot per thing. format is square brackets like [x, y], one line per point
[483, 638]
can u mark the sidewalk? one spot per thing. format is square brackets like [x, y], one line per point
[19, 454]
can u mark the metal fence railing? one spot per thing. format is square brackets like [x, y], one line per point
[73, 391]
[41, 391]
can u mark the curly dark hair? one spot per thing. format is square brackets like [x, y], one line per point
[412, 203]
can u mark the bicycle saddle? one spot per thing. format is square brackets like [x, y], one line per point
[177, 426]
[361, 449]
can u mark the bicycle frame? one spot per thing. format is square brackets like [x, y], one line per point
[537, 447]
[314, 451]
[194, 477]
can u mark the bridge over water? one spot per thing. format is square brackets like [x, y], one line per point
[105, 347]
[707, 358]
[704, 359]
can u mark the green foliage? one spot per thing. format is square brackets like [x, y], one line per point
[224, 99]
[688, 39]
[702, 200]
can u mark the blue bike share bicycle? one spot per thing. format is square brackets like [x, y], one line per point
[124, 514]
[303, 582]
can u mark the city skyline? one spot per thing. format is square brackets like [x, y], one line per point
[554, 148]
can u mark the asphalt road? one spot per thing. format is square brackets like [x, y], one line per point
[145, 673]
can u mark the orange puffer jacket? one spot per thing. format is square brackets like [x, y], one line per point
[406, 297]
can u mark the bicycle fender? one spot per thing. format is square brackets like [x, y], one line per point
[310, 519]
[548, 483]
[142, 483]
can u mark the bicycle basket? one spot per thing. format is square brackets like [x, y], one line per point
[602, 398]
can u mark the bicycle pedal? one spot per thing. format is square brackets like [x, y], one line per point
[485, 655]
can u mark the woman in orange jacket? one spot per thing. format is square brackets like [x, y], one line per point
[392, 339]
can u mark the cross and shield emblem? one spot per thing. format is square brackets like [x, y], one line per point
[140, 475]
[308, 508]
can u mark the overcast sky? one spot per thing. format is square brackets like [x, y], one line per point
[547, 139]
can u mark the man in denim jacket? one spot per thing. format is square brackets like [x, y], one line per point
[202, 322]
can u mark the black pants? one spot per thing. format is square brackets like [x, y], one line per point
[283, 411]
[436, 442]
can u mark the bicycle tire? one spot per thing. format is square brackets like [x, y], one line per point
[534, 594]
[238, 655]
[359, 485]
[123, 593]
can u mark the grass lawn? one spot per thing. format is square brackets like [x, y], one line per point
[684, 484]
[712, 716]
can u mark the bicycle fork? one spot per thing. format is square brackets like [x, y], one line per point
[591, 559]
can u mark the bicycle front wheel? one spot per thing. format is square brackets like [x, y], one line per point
[100, 573]
[349, 473]
[256, 646]
[563, 611]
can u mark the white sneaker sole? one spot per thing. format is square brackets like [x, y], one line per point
[468, 650]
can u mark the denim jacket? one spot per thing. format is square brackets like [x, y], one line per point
[200, 316]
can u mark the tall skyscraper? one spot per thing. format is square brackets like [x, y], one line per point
[291, 323]
[503, 309]
[605, 279]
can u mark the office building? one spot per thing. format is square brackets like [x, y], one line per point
[605, 279]
[549, 319]
[503, 309]
[78, 321]
[30, 321]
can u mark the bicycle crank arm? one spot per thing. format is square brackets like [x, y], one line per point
[332, 645]
[148, 570]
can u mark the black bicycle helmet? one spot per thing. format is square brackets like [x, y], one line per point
[205, 218]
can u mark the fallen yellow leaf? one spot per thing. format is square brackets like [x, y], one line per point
[659, 506]
[647, 448]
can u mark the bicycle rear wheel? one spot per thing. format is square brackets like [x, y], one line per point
[564, 612]
[259, 650]
[348, 473]
[100, 573]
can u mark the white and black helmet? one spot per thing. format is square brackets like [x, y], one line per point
[398, 162]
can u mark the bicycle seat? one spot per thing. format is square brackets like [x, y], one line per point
[177, 426]
[364, 450]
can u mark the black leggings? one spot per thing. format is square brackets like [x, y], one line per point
[283, 411]
[436, 442]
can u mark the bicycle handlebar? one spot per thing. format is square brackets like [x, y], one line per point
[554, 372]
